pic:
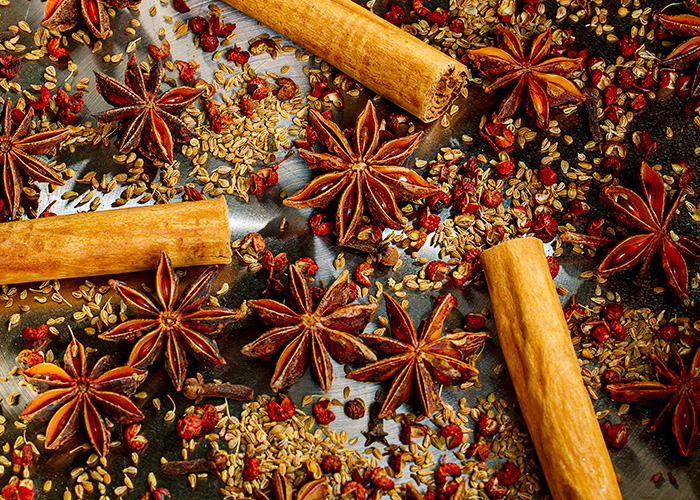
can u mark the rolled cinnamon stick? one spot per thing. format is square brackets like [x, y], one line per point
[114, 241]
[546, 374]
[411, 74]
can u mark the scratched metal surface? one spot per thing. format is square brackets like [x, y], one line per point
[645, 455]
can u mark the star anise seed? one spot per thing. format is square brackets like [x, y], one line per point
[312, 336]
[18, 150]
[71, 396]
[362, 175]
[174, 323]
[415, 361]
[150, 120]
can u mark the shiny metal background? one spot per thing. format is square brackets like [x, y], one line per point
[645, 455]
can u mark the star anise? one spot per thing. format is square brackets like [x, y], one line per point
[174, 323]
[542, 80]
[72, 397]
[682, 393]
[62, 15]
[689, 51]
[416, 361]
[362, 175]
[312, 335]
[150, 120]
[646, 213]
[18, 150]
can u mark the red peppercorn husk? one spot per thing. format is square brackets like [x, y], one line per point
[189, 426]
[331, 464]
[133, 439]
[322, 412]
[615, 435]
[55, 50]
[281, 411]
[453, 435]
[210, 417]
[355, 409]
[251, 468]
[509, 474]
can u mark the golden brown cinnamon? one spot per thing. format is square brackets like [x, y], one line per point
[546, 374]
[114, 241]
[412, 74]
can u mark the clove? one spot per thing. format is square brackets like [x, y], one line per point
[197, 389]
[215, 462]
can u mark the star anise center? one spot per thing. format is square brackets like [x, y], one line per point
[83, 386]
[358, 167]
[169, 320]
[309, 320]
[5, 145]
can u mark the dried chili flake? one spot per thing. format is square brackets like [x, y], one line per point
[474, 322]
[547, 176]
[479, 448]
[23, 456]
[429, 220]
[133, 439]
[210, 417]
[9, 66]
[379, 479]
[628, 46]
[238, 56]
[319, 226]
[263, 45]
[615, 435]
[410, 430]
[354, 490]
[486, 426]
[446, 470]
[363, 272]
[281, 411]
[43, 100]
[509, 474]
[323, 413]
[31, 334]
[491, 198]
[396, 15]
[307, 266]
[187, 70]
[494, 490]
[505, 167]
[189, 426]
[545, 226]
[436, 270]
[438, 201]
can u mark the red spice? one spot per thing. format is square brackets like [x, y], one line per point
[379, 479]
[505, 168]
[445, 470]
[257, 88]
[410, 430]
[547, 176]
[238, 56]
[429, 220]
[610, 377]
[509, 474]
[286, 88]
[161, 494]
[197, 25]
[453, 435]
[330, 464]
[601, 332]
[189, 426]
[354, 490]
[486, 426]
[135, 441]
[318, 226]
[615, 435]
[210, 417]
[436, 270]
[281, 411]
[355, 409]
[553, 264]
[494, 490]
[187, 70]
[491, 199]
[612, 312]
[227, 30]
[211, 110]
[474, 322]
[668, 332]
[247, 106]
[617, 330]
[23, 456]
[54, 50]
[479, 448]
[208, 42]
[180, 6]
[307, 266]
[43, 100]
[628, 46]
[34, 358]
[322, 412]
[438, 201]
[545, 226]
[31, 334]
[362, 273]
[251, 468]
[9, 66]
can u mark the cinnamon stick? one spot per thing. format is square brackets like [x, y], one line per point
[114, 241]
[546, 374]
[411, 74]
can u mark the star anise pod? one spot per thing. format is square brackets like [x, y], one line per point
[312, 335]
[150, 120]
[681, 393]
[73, 397]
[689, 51]
[174, 323]
[62, 15]
[18, 150]
[415, 361]
[542, 79]
[646, 213]
[362, 175]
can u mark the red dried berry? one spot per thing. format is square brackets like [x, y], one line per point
[355, 409]
[491, 199]
[615, 435]
[9, 66]
[505, 168]
[354, 490]
[159, 53]
[486, 426]
[617, 330]
[318, 226]
[479, 448]
[25, 490]
[227, 30]
[474, 322]
[34, 358]
[238, 56]
[31, 334]
[54, 50]
[436, 270]
[438, 201]
[197, 25]
[509, 474]
[43, 100]
[281, 411]
[331, 464]
[610, 377]
[601, 332]
[180, 6]
[247, 106]
[210, 417]
[547, 176]
[189, 426]
[161, 494]
[251, 468]
[66, 116]
[453, 435]
[494, 490]
[429, 220]
[612, 312]
[445, 470]
[23, 456]
[307, 266]
[625, 79]
[322, 412]
[379, 479]
[135, 441]
[545, 226]
[208, 42]
[286, 89]
[668, 332]
[257, 88]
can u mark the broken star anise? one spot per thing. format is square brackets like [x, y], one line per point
[312, 335]
[72, 397]
[18, 150]
[362, 175]
[646, 214]
[542, 80]
[150, 120]
[62, 15]
[415, 361]
[174, 323]
[689, 51]
[682, 393]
